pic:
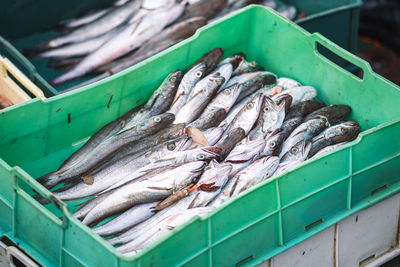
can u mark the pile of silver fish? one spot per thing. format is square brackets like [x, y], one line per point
[206, 135]
[112, 39]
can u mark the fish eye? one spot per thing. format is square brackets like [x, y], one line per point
[250, 105]
[294, 150]
[291, 123]
[272, 144]
[344, 131]
[157, 119]
[198, 74]
[201, 157]
[171, 146]
[266, 109]
[173, 79]
[227, 91]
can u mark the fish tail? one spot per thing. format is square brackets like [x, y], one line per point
[49, 180]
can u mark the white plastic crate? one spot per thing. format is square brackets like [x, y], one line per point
[367, 238]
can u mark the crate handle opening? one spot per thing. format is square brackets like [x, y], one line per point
[311, 225]
[323, 46]
[244, 261]
[44, 194]
[377, 190]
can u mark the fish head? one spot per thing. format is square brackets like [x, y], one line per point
[162, 119]
[269, 164]
[246, 67]
[287, 83]
[291, 124]
[301, 93]
[188, 174]
[246, 151]
[315, 126]
[286, 99]
[271, 115]
[298, 152]
[206, 153]
[212, 58]
[227, 97]
[213, 134]
[197, 72]
[170, 84]
[340, 111]
[251, 111]
[273, 143]
[344, 132]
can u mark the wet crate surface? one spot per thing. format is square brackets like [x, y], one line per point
[267, 219]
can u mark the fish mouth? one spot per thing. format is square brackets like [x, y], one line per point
[186, 143]
[212, 150]
[351, 124]
[272, 134]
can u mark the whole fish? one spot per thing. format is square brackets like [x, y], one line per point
[304, 108]
[127, 219]
[105, 23]
[168, 37]
[155, 188]
[200, 96]
[189, 80]
[229, 140]
[125, 41]
[106, 131]
[210, 183]
[111, 144]
[270, 119]
[273, 144]
[159, 101]
[253, 174]
[168, 223]
[305, 131]
[333, 113]
[329, 148]
[248, 115]
[343, 132]
[296, 155]
[118, 170]
[287, 83]
[81, 48]
[289, 125]
[223, 100]
[244, 154]
[174, 159]
[299, 94]
[210, 59]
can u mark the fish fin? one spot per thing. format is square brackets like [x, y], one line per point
[197, 136]
[191, 205]
[209, 187]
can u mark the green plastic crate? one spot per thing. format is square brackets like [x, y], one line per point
[337, 20]
[269, 218]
